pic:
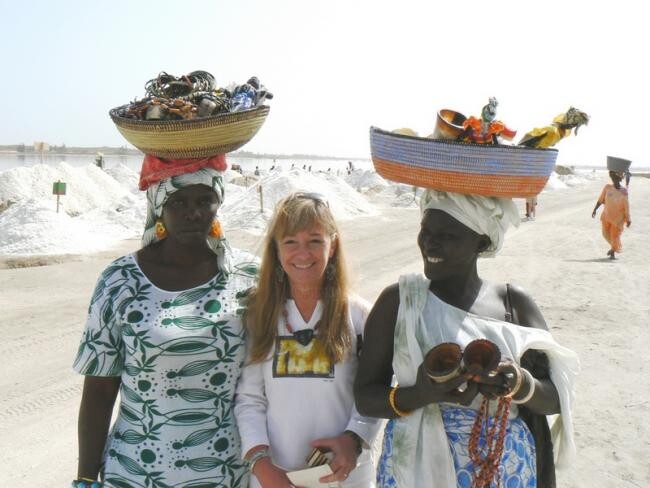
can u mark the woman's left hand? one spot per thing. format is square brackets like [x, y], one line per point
[498, 384]
[344, 448]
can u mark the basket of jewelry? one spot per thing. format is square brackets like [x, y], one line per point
[467, 154]
[190, 117]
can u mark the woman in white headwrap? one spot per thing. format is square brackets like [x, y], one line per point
[164, 330]
[427, 439]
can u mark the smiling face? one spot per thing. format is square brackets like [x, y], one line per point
[304, 256]
[448, 247]
[188, 214]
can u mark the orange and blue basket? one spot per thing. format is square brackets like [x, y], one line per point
[478, 169]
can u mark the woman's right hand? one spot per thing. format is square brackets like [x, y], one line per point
[270, 476]
[456, 390]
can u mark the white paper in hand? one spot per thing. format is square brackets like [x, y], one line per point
[308, 478]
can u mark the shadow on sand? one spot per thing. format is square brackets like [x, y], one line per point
[595, 260]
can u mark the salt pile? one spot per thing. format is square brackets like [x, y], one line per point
[103, 207]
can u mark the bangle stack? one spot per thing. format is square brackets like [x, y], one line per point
[86, 483]
[393, 405]
[257, 455]
[531, 388]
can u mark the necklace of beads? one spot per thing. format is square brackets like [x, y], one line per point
[486, 465]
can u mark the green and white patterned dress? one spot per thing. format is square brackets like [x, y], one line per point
[179, 355]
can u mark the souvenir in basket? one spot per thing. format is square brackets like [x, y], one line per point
[464, 155]
[190, 117]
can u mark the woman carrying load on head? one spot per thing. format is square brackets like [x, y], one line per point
[304, 331]
[431, 439]
[616, 214]
[164, 330]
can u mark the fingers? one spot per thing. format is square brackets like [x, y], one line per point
[466, 396]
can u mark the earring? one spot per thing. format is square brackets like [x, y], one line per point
[279, 274]
[215, 229]
[330, 271]
[161, 232]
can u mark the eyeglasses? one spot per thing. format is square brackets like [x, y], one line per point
[314, 196]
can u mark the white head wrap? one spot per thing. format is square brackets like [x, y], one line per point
[490, 216]
[158, 193]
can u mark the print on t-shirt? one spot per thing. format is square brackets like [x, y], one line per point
[292, 359]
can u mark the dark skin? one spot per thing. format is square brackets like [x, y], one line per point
[449, 250]
[616, 180]
[181, 261]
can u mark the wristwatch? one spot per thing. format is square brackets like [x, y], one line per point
[357, 439]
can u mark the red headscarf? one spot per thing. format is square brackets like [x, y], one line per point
[155, 169]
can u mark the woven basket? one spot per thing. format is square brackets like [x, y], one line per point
[195, 138]
[478, 169]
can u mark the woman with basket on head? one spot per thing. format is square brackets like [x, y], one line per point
[304, 332]
[164, 330]
[616, 215]
[465, 370]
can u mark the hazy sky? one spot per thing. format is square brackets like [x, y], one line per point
[335, 67]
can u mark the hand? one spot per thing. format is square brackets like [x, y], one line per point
[270, 476]
[344, 448]
[451, 391]
[500, 383]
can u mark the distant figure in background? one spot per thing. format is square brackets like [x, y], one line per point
[293, 165]
[309, 168]
[616, 214]
[99, 160]
[257, 170]
[531, 205]
[304, 167]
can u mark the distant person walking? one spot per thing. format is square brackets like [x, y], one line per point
[616, 214]
[531, 205]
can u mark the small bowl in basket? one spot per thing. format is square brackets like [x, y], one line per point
[193, 138]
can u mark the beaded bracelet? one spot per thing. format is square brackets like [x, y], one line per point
[86, 483]
[391, 400]
[531, 388]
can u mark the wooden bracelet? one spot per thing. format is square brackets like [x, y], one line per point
[393, 405]
[531, 388]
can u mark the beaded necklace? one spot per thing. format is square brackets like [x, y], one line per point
[303, 336]
[486, 466]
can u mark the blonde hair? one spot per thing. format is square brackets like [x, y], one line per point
[299, 211]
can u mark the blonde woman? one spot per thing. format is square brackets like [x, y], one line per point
[304, 334]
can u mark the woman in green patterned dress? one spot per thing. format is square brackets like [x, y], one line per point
[164, 331]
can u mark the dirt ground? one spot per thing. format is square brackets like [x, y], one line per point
[599, 308]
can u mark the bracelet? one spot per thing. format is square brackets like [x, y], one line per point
[519, 380]
[391, 400]
[86, 483]
[357, 440]
[262, 453]
[531, 388]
